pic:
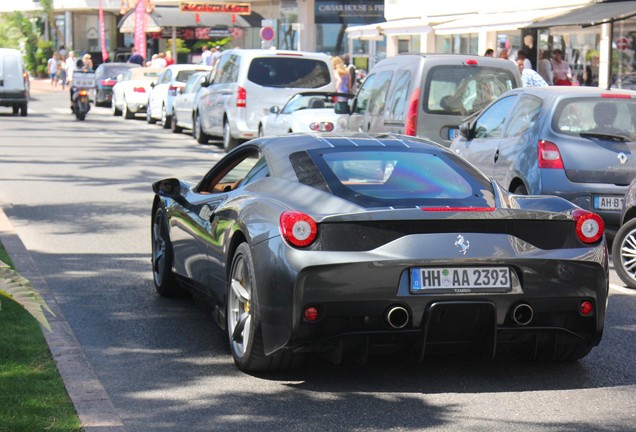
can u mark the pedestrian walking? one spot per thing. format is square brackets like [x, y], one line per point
[353, 73]
[206, 56]
[63, 71]
[52, 66]
[529, 77]
[216, 54]
[545, 67]
[342, 78]
[561, 72]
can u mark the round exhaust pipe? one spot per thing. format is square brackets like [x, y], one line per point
[397, 317]
[521, 314]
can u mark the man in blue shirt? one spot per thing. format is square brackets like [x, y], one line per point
[529, 77]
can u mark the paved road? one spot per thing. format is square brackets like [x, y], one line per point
[78, 196]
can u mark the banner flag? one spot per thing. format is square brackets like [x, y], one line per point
[140, 28]
[102, 32]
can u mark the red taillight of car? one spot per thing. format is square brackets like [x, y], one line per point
[108, 82]
[549, 155]
[241, 98]
[83, 93]
[410, 128]
[321, 126]
[616, 96]
[173, 90]
[589, 226]
[586, 308]
[311, 314]
[139, 90]
[458, 209]
[297, 228]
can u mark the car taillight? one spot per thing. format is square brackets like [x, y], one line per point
[173, 89]
[108, 82]
[139, 90]
[616, 96]
[321, 126]
[410, 128]
[549, 155]
[297, 228]
[241, 98]
[589, 226]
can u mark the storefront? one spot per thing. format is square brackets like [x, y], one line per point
[598, 41]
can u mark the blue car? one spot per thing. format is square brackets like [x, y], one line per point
[574, 142]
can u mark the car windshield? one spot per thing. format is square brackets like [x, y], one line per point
[597, 116]
[113, 72]
[310, 101]
[291, 72]
[461, 90]
[402, 178]
[185, 75]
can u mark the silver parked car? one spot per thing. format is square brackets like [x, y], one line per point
[574, 142]
[185, 103]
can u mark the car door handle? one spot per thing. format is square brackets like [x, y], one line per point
[496, 155]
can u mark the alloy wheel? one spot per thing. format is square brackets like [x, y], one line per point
[239, 307]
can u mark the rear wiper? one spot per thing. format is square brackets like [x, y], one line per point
[606, 136]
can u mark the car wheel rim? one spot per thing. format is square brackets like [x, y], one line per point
[628, 254]
[158, 250]
[239, 308]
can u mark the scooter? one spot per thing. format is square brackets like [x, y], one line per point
[81, 100]
[81, 103]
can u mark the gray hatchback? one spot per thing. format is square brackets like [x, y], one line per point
[574, 142]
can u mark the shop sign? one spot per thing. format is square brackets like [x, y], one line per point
[207, 7]
[345, 11]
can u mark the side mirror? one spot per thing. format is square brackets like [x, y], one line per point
[170, 188]
[274, 109]
[153, 84]
[466, 130]
[205, 82]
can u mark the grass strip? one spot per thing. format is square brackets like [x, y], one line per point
[32, 393]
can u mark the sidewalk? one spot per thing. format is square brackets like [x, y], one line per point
[43, 85]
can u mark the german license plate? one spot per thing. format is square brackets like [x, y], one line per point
[460, 280]
[608, 202]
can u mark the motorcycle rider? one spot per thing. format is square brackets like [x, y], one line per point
[85, 64]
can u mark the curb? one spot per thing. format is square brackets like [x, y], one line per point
[92, 404]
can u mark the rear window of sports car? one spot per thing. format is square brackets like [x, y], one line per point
[294, 72]
[397, 178]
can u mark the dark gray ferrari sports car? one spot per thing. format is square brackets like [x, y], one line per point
[352, 245]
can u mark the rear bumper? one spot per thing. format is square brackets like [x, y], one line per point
[10, 98]
[353, 293]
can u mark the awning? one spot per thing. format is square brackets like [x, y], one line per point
[501, 21]
[163, 17]
[591, 15]
[407, 26]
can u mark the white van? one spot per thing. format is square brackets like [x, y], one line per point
[14, 81]
[245, 83]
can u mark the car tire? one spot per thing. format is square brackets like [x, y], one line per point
[173, 124]
[128, 114]
[16, 109]
[149, 118]
[243, 320]
[197, 130]
[520, 190]
[165, 118]
[24, 109]
[161, 258]
[229, 142]
[116, 112]
[624, 253]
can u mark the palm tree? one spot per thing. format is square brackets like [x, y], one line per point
[20, 290]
